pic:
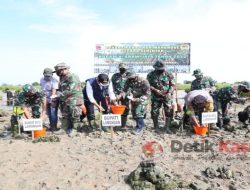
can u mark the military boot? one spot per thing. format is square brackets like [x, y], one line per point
[91, 126]
[124, 121]
[168, 125]
[155, 123]
[123, 126]
[53, 127]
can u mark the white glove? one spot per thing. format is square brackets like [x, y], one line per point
[53, 96]
[130, 97]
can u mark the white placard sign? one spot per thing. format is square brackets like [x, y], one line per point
[209, 117]
[32, 124]
[111, 120]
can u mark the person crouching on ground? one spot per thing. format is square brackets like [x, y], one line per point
[29, 98]
[197, 102]
[97, 93]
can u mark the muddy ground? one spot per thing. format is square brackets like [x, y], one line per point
[91, 162]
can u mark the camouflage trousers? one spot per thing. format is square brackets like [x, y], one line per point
[71, 116]
[156, 106]
[125, 102]
[139, 109]
[221, 107]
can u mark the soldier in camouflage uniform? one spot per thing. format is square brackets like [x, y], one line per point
[71, 98]
[202, 82]
[137, 90]
[162, 86]
[32, 98]
[119, 80]
[223, 99]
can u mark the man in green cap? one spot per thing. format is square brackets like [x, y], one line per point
[29, 98]
[71, 98]
[202, 82]
[118, 80]
[162, 86]
[49, 86]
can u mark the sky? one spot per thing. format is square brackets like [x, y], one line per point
[35, 34]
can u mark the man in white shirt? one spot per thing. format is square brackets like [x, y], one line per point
[49, 85]
[97, 92]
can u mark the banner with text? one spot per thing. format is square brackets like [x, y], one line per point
[141, 56]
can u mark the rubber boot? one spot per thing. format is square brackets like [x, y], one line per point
[167, 125]
[91, 125]
[139, 125]
[14, 125]
[123, 126]
[155, 123]
[53, 127]
[124, 121]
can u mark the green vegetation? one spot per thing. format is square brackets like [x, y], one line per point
[186, 86]
[221, 85]
[4, 87]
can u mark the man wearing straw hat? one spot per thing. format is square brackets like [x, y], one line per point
[162, 86]
[118, 80]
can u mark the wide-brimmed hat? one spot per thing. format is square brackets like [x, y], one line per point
[60, 66]
[122, 65]
[159, 65]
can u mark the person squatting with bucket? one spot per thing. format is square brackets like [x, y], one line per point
[28, 99]
[97, 93]
[197, 102]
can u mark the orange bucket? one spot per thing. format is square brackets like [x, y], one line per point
[118, 109]
[40, 133]
[202, 130]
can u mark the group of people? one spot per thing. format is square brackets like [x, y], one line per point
[125, 88]
[204, 97]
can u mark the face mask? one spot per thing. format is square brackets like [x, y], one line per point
[132, 80]
[198, 77]
[122, 70]
[47, 78]
[160, 71]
